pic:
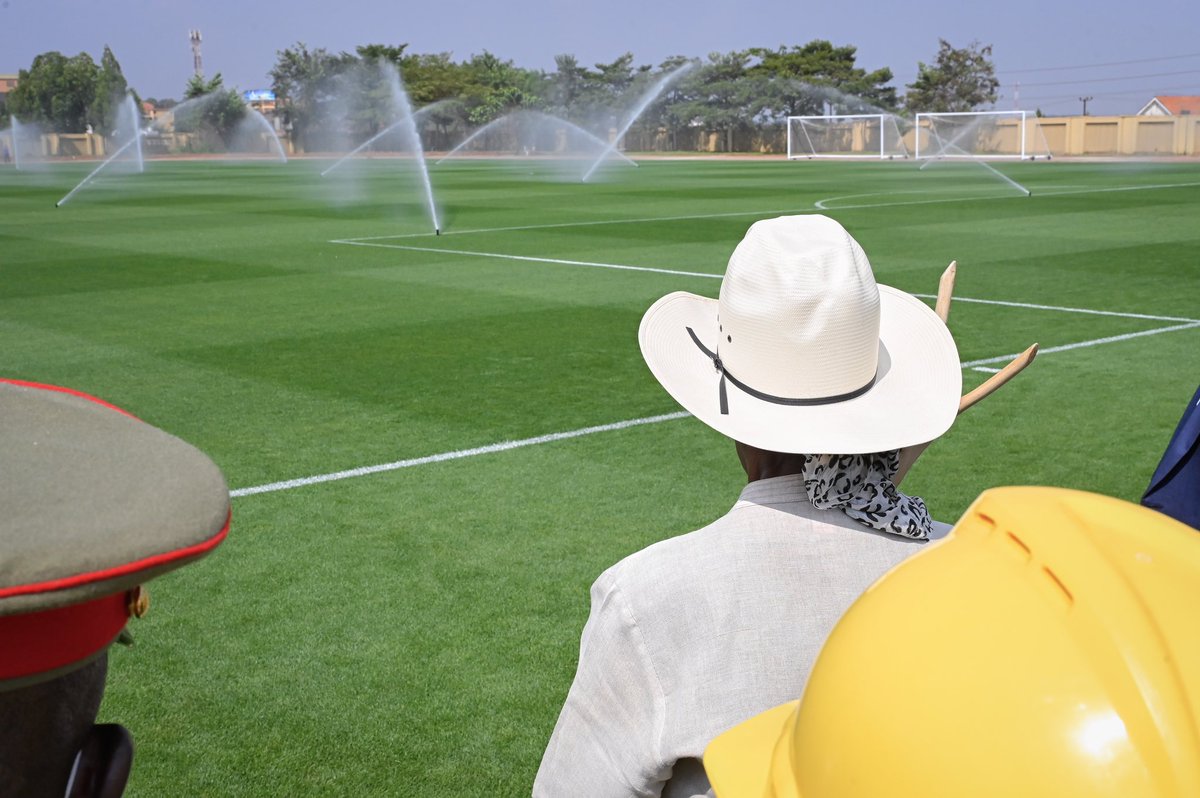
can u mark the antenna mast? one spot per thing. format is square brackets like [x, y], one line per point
[194, 37]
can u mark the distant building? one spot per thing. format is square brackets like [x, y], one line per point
[1174, 105]
[7, 84]
[261, 100]
[149, 111]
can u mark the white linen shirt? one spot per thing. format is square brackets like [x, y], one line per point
[697, 633]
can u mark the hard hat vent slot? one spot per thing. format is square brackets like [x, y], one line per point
[1058, 583]
[1019, 544]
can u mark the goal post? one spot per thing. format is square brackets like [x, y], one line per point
[875, 136]
[979, 135]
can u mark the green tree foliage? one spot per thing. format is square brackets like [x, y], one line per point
[661, 113]
[339, 100]
[818, 76]
[382, 52]
[56, 92]
[432, 77]
[434, 82]
[599, 97]
[495, 88]
[718, 96]
[210, 110]
[110, 92]
[306, 84]
[567, 86]
[370, 104]
[959, 80]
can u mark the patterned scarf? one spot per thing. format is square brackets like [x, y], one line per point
[860, 485]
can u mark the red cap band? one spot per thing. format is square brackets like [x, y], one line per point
[39, 642]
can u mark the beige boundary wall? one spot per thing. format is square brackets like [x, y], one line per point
[1064, 136]
[1082, 136]
[1079, 136]
[1122, 135]
[63, 145]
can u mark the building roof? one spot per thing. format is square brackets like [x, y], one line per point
[1175, 104]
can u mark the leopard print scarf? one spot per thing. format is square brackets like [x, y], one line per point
[860, 485]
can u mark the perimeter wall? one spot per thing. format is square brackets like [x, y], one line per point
[1121, 135]
[1083, 136]
[1064, 136]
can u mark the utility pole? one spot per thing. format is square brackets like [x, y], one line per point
[194, 38]
[1084, 100]
[1017, 97]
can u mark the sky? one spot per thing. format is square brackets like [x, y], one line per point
[1048, 55]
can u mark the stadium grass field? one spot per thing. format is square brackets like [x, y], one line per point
[414, 631]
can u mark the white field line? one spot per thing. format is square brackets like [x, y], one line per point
[531, 259]
[678, 273]
[505, 446]
[1084, 344]
[818, 205]
[1062, 309]
[823, 204]
[986, 369]
[555, 225]
[976, 365]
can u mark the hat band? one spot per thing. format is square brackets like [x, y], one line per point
[766, 397]
[45, 641]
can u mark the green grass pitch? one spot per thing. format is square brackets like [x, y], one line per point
[414, 631]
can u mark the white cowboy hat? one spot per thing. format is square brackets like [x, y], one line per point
[803, 352]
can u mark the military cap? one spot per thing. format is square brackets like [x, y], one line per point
[95, 503]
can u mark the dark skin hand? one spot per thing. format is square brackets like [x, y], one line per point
[762, 464]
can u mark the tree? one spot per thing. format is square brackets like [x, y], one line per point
[110, 92]
[431, 77]
[809, 79]
[566, 86]
[960, 80]
[307, 86]
[382, 52]
[371, 103]
[717, 96]
[495, 88]
[210, 109]
[55, 92]
[434, 79]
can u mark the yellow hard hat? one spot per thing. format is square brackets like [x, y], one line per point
[1050, 646]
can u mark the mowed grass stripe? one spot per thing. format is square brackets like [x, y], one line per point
[421, 628]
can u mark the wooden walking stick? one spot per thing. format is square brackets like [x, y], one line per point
[945, 291]
[993, 383]
[909, 455]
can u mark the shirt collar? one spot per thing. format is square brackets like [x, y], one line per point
[774, 490]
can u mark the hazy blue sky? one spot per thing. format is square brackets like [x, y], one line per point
[1058, 51]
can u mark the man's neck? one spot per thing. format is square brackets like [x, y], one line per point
[763, 464]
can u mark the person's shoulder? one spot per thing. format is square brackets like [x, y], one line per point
[645, 569]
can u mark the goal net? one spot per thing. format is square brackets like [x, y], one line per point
[845, 136]
[979, 135]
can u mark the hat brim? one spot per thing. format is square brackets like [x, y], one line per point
[739, 761]
[914, 398]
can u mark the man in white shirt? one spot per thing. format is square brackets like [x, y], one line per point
[802, 356]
